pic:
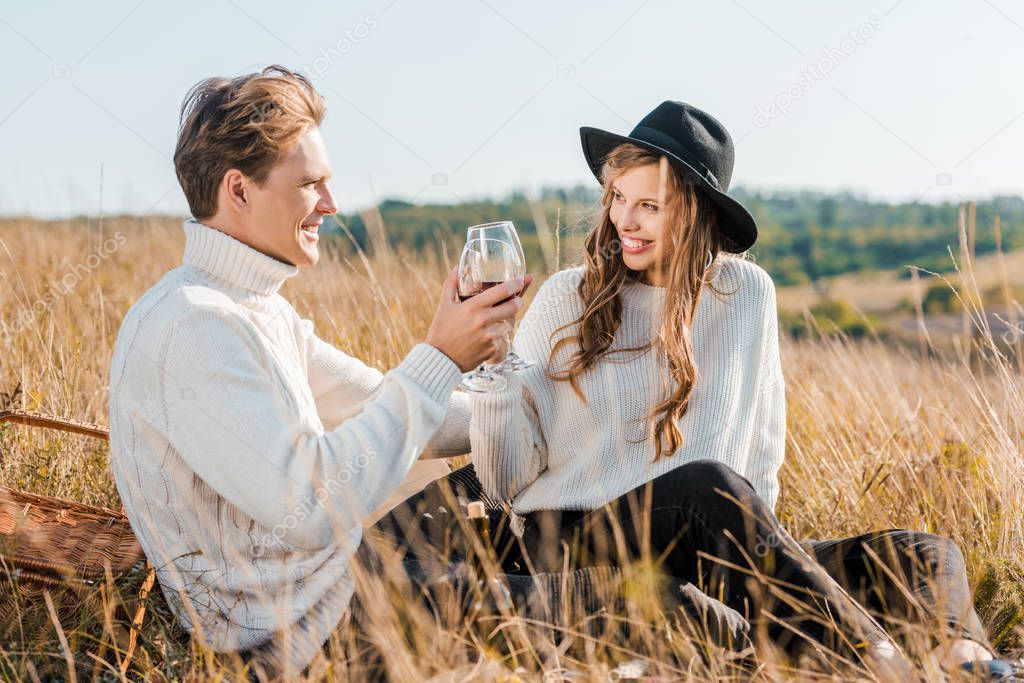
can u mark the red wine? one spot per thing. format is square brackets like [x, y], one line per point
[483, 286]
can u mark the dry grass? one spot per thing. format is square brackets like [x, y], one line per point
[878, 437]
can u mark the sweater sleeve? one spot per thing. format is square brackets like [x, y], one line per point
[227, 415]
[509, 445]
[342, 383]
[509, 451]
[452, 437]
[768, 446]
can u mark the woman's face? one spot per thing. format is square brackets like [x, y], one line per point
[640, 219]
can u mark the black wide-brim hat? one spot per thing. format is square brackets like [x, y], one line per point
[697, 146]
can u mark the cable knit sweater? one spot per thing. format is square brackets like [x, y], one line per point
[537, 443]
[247, 451]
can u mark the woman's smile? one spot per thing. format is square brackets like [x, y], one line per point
[632, 245]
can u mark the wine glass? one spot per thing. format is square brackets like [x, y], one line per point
[498, 230]
[503, 231]
[485, 263]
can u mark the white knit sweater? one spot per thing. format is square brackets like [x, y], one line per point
[247, 451]
[538, 444]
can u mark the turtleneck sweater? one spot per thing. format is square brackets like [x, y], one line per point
[248, 452]
[539, 445]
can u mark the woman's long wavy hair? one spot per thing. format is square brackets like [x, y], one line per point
[691, 232]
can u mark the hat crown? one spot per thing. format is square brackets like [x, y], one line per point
[698, 146]
[690, 132]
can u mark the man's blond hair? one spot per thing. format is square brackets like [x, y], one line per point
[247, 123]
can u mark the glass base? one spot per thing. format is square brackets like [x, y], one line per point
[513, 363]
[482, 382]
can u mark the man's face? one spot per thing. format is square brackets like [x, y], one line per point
[287, 210]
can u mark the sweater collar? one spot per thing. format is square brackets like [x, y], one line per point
[636, 294]
[232, 262]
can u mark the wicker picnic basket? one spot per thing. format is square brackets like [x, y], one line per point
[49, 543]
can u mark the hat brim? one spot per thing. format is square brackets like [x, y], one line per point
[734, 221]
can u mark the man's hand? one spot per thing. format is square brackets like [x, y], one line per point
[473, 331]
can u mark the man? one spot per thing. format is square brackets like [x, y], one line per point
[246, 450]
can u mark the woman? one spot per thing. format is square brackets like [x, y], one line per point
[653, 421]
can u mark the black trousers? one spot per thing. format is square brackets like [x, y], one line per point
[704, 524]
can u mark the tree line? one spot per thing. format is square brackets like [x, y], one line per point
[803, 235]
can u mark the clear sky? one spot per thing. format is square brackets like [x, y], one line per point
[438, 101]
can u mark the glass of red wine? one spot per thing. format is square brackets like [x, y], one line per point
[486, 263]
[503, 231]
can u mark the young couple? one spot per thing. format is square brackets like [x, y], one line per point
[248, 452]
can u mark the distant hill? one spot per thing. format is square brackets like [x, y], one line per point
[803, 236]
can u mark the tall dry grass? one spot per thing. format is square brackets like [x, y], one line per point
[878, 437]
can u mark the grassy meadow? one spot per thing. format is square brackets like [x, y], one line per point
[880, 435]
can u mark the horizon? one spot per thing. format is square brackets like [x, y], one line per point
[512, 194]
